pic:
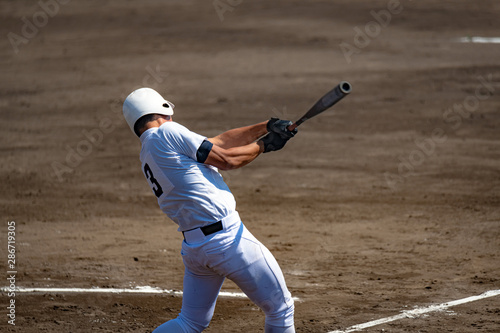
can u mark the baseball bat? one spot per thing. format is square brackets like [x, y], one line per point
[325, 102]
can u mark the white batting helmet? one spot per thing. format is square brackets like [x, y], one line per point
[145, 101]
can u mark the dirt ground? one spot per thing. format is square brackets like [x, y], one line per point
[386, 202]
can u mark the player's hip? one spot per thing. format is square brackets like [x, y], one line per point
[225, 252]
[217, 231]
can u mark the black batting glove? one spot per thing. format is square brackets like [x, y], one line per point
[280, 127]
[273, 142]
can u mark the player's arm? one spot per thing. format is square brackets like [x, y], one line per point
[237, 147]
[241, 136]
[235, 157]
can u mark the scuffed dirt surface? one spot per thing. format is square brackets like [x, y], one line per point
[353, 246]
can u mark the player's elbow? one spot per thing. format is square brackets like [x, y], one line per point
[230, 163]
[222, 161]
[226, 159]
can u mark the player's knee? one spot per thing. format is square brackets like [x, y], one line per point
[280, 314]
[282, 321]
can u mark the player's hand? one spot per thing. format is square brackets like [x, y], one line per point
[273, 142]
[280, 127]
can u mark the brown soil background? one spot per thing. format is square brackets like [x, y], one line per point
[352, 248]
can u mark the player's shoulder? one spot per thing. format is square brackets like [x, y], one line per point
[172, 126]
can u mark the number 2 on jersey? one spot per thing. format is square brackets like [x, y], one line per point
[155, 185]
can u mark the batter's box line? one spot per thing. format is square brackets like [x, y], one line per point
[135, 290]
[415, 313]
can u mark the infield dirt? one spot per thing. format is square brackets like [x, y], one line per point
[388, 201]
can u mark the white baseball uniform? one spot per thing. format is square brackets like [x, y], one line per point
[216, 243]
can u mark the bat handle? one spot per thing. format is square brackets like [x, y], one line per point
[292, 127]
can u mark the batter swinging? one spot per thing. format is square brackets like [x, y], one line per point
[181, 168]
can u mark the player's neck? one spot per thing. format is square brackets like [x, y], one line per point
[155, 123]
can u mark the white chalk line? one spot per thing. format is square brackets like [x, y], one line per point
[415, 313]
[419, 311]
[135, 290]
[480, 40]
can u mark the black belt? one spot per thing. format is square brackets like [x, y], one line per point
[210, 229]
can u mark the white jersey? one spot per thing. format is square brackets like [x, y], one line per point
[192, 194]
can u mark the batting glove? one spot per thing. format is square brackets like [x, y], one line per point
[273, 142]
[280, 127]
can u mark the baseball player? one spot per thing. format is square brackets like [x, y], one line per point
[181, 168]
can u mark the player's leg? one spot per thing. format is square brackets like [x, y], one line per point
[259, 276]
[274, 329]
[198, 303]
[171, 326]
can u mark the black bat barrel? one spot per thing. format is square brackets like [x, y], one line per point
[342, 89]
[325, 102]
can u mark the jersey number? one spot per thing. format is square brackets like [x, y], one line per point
[155, 185]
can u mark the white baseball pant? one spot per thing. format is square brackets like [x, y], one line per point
[236, 254]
